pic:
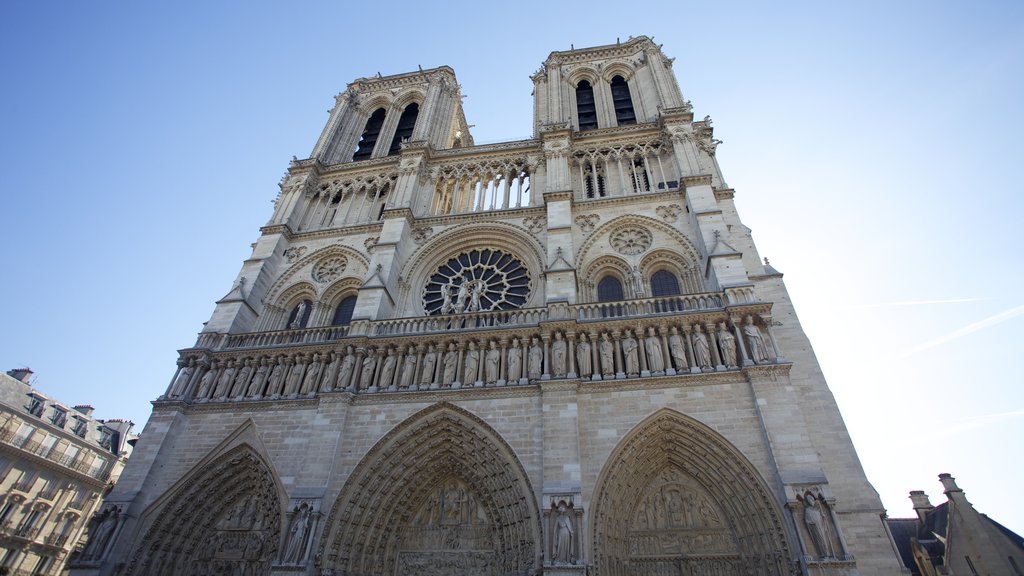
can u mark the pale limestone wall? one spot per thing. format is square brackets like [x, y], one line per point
[777, 419]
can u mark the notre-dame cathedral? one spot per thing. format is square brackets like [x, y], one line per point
[559, 356]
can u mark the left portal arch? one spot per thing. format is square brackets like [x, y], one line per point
[440, 495]
[225, 518]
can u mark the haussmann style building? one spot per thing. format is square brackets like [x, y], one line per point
[561, 355]
[56, 462]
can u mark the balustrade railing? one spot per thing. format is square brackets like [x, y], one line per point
[468, 321]
[285, 337]
[648, 306]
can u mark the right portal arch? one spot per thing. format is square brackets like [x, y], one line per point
[675, 497]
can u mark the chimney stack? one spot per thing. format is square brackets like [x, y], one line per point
[21, 374]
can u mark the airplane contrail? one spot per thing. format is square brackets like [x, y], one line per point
[967, 330]
[920, 302]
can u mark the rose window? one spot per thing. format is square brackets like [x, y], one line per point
[631, 241]
[477, 281]
[329, 269]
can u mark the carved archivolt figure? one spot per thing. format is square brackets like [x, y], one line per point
[701, 350]
[300, 311]
[227, 377]
[429, 364]
[583, 355]
[558, 349]
[447, 307]
[348, 364]
[387, 371]
[630, 355]
[491, 361]
[241, 380]
[256, 386]
[369, 366]
[408, 367]
[206, 383]
[655, 359]
[815, 527]
[562, 552]
[460, 299]
[451, 359]
[536, 365]
[727, 343]
[755, 342]
[331, 372]
[515, 361]
[295, 550]
[277, 378]
[607, 350]
[472, 363]
[312, 379]
[474, 297]
[294, 378]
[184, 376]
[677, 348]
[101, 527]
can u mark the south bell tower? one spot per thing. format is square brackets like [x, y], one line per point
[560, 354]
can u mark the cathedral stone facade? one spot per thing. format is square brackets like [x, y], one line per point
[560, 355]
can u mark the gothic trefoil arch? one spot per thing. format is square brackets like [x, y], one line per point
[225, 518]
[676, 497]
[442, 493]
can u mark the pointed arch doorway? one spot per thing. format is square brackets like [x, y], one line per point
[675, 497]
[441, 494]
[223, 518]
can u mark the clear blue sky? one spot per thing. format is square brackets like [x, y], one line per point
[872, 146]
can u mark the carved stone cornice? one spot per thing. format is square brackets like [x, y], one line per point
[340, 232]
[499, 147]
[377, 83]
[676, 114]
[558, 195]
[467, 392]
[486, 216]
[591, 204]
[620, 50]
[696, 180]
[724, 193]
[630, 129]
[249, 405]
[768, 372]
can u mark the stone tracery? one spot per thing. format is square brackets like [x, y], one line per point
[477, 281]
[456, 497]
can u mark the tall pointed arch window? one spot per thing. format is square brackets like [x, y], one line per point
[609, 289]
[406, 122]
[586, 109]
[623, 103]
[343, 313]
[370, 135]
[664, 283]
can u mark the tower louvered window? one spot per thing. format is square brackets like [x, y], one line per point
[586, 110]
[622, 101]
[405, 125]
[370, 135]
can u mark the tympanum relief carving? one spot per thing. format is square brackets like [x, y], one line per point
[677, 516]
[449, 534]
